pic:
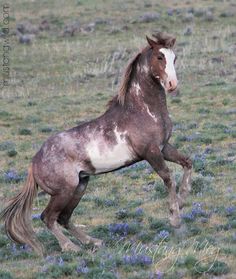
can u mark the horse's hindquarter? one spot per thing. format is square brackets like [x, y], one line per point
[54, 166]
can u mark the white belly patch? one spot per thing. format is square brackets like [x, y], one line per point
[105, 156]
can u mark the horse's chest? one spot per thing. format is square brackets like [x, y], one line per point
[166, 127]
[106, 156]
[162, 125]
[159, 120]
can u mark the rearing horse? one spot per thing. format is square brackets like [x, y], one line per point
[135, 127]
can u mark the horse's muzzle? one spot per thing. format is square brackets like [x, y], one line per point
[171, 85]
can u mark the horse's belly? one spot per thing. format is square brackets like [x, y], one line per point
[105, 157]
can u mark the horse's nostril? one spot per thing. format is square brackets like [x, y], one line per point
[170, 83]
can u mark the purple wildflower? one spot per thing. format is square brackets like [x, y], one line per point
[193, 136]
[163, 234]
[204, 220]
[234, 237]
[208, 150]
[119, 228]
[178, 126]
[14, 249]
[50, 259]
[229, 189]
[199, 162]
[109, 202]
[137, 259]
[188, 217]
[139, 211]
[36, 216]
[170, 12]
[228, 226]
[201, 157]
[129, 260]
[12, 176]
[25, 248]
[231, 210]
[17, 250]
[140, 166]
[159, 275]
[197, 211]
[60, 261]
[82, 268]
[44, 268]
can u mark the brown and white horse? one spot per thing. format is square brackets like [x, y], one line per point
[135, 127]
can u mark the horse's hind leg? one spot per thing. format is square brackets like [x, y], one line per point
[171, 154]
[50, 215]
[65, 215]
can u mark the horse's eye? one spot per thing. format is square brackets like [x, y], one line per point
[160, 58]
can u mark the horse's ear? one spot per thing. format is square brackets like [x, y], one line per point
[172, 42]
[151, 42]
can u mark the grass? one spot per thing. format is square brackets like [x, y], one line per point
[60, 80]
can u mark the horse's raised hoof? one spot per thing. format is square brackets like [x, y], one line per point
[70, 247]
[97, 242]
[175, 222]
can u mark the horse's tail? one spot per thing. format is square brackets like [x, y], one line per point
[17, 215]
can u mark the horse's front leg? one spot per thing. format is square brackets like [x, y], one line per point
[156, 160]
[171, 154]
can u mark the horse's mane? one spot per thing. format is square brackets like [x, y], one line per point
[163, 39]
[124, 86]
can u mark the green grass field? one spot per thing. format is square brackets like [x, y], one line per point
[67, 73]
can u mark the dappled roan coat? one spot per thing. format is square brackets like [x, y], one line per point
[135, 127]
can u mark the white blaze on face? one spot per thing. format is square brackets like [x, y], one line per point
[170, 67]
[105, 157]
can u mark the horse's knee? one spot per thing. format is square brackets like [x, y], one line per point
[166, 177]
[187, 163]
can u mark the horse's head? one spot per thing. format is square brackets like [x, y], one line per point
[162, 61]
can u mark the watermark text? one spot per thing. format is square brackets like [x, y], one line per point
[5, 48]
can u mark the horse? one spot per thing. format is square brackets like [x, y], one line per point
[136, 126]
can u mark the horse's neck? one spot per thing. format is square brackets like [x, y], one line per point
[147, 90]
[155, 98]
